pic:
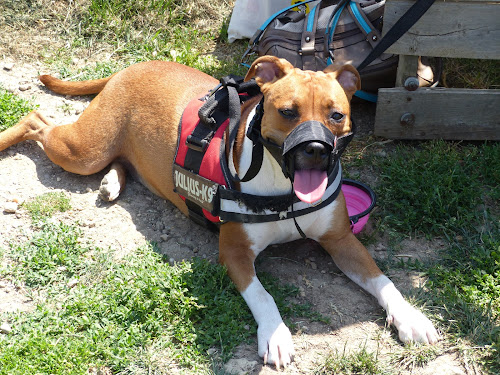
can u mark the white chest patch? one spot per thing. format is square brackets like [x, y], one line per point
[314, 225]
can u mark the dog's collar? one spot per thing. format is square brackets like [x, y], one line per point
[249, 208]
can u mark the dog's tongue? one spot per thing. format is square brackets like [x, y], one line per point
[310, 184]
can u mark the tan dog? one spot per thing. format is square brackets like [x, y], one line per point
[133, 124]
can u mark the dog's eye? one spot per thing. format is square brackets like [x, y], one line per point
[337, 116]
[288, 113]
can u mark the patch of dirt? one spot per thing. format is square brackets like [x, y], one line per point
[139, 216]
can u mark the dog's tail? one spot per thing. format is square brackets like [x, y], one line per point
[74, 87]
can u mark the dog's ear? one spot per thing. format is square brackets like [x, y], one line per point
[268, 69]
[347, 76]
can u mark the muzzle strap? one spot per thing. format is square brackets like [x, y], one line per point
[308, 131]
[342, 143]
[257, 148]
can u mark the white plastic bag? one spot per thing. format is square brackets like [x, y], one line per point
[249, 15]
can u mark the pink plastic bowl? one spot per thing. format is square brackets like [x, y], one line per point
[360, 200]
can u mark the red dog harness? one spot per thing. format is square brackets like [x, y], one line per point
[189, 168]
[201, 174]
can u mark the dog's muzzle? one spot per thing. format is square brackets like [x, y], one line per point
[309, 146]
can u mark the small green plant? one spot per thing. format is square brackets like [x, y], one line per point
[67, 108]
[12, 108]
[53, 255]
[45, 205]
[360, 362]
[415, 355]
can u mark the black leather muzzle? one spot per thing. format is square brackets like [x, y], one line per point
[311, 138]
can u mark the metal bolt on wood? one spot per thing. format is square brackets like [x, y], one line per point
[407, 119]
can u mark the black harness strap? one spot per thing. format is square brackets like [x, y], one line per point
[197, 144]
[234, 123]
[299, 229]
[221, 101]
[406, 21]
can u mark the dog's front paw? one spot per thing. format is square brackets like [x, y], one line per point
[275, 344]
[412, 325]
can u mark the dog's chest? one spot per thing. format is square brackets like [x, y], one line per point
[314, 225]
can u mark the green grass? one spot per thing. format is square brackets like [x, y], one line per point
[430, 189]
[45, 205]
[472, 74]
[466, 286]
[435, 187]
[52, 255]
[450, 190]
[12, 108]
[191, 32]
[351, 363]
[102, 312]
[414, 356]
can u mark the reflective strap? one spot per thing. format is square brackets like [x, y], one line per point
[238, 212]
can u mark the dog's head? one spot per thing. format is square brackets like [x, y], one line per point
[304, 114]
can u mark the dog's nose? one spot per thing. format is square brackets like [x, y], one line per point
[312, 155]
[315, 151]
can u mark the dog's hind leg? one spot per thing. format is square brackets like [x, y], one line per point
[113, 182]
[29, 127]
[78, 147]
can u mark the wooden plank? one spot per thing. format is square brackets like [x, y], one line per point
[467, 29]
[407, 67]
[453, 114]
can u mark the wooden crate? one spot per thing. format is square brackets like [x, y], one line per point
[456, 29]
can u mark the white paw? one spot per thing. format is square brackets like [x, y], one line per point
[110, 187]
[412, 325]
[275, 344]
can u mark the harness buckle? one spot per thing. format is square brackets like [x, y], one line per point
[314, 204]
[214, 90]
[197, 144]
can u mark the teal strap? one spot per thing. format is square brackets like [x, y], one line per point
[355, 10]
[333, 26]
[310, 18]
[366, 96]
